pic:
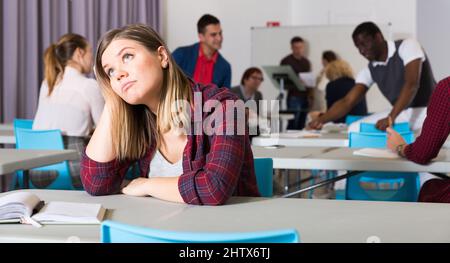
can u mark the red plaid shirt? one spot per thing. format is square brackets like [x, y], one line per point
[436, 126]
[435, 131]
[214, 167]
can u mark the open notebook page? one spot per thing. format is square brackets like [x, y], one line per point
[70, 213]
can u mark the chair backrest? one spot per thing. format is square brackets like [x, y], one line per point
[23, 123]
[349, 119]
[370, 127]
[264, 176]
[46, 140]
[381, 186]
[115, 232]
[374, 140]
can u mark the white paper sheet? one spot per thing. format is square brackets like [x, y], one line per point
[308, 78]
[376, 153]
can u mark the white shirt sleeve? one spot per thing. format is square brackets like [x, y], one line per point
[96, 100]
[410, 50]
[364, 77]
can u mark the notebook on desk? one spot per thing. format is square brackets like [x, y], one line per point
[28, 208]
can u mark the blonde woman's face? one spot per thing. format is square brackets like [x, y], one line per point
[135, 73]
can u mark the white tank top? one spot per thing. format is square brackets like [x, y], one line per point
[160, 167]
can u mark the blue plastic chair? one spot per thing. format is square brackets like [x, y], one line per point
[23, 123]
[386, 186]
[46, 140]
[264, 176]
[349, 119]
[114, 232]
[370, 127]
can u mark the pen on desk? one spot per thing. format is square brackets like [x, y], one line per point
[30, 221]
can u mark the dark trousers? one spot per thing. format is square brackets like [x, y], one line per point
[300, 105]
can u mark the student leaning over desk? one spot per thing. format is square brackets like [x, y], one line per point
[402, 72]
[435, 131]
[141, 84]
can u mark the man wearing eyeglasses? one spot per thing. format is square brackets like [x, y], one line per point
[248, 91]
[250, 82]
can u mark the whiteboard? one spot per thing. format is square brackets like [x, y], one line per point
[270, 44]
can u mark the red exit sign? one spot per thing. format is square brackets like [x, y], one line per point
[272, 23]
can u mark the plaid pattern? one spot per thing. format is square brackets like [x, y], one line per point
[42, 179]
[435, 191]
[214, 167]
[435, 131]
[436, 126]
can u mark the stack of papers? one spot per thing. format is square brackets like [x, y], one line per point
[334, 128]
[376, 153]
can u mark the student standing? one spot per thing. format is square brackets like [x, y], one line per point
[402, 72]
[319, 104]
[297, 100]
[202, 61]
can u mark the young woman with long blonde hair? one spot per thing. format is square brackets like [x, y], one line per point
[142, 85]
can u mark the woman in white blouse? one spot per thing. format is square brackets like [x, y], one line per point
[68, 100]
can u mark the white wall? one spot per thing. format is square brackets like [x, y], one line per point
[238, 16]
[401, 13]
[433, 23]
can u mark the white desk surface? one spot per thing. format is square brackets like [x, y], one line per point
[7, 137]
[12, 160]
[316, 220]
[326, 140]
[339, 158]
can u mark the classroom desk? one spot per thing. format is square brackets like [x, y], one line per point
[326, 140]
[315, 220]
[12, 160]
[7, 137]
[330, 158]
[341, 158]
